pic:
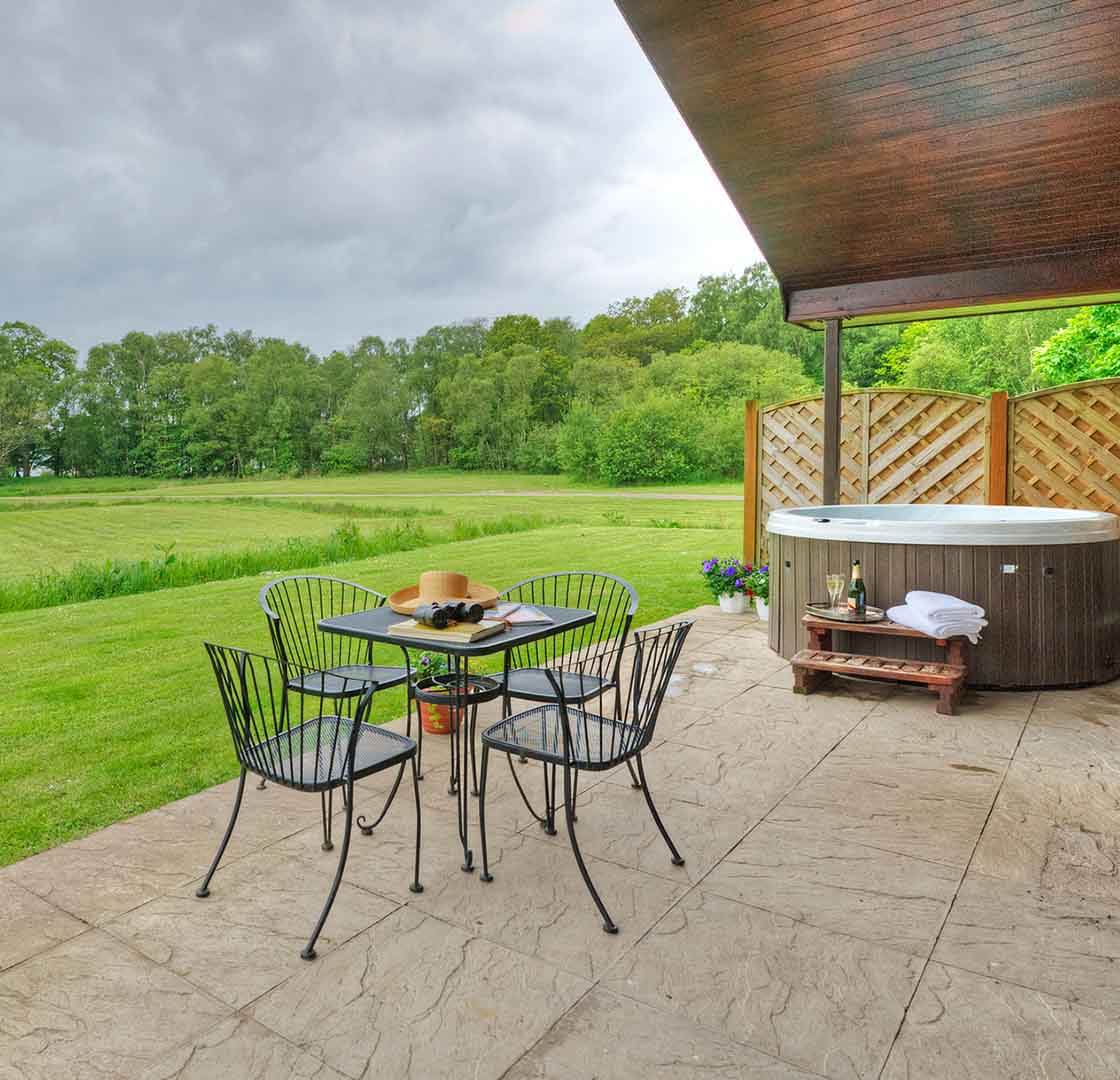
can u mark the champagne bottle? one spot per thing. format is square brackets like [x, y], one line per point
[857, 591]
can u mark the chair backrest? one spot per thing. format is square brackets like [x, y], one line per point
[613, 600]
[294, 605]
[651, 657]
[294, 738]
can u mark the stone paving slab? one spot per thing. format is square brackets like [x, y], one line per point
[963, 1026]
[833, 844]
[828, 1002]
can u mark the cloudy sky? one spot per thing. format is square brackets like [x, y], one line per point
[324, 169]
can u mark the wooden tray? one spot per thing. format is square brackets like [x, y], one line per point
[823, 611]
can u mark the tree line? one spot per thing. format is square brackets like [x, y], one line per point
[650, 390]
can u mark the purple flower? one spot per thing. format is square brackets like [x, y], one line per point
[738, 583]
[729, 572]
[709, 566]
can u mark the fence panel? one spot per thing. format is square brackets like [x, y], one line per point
[926, 447]
[1065, 447]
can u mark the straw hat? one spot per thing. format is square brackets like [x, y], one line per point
[438, 587]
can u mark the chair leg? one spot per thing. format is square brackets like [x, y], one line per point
[308, 952]
[677, 857]
[416, 887]
[326, 807]
[609, 924]
[521, 791]
[634, 781]
[419, 734]
[485, 875]
[204, 889]
[262, 785]
[549, 823]
[471, 731]
[367, 827]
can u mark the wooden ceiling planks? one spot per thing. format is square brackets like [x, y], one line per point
[900, 158]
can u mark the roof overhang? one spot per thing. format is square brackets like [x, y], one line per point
[897, 160]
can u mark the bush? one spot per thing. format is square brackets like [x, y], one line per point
[577, 442]
[722, 443]
[656, 442]
[539, 453]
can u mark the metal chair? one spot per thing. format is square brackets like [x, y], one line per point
[597, 645]
[309, 742]
[563, 734]
[294, 605]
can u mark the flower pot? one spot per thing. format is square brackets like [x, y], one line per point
[763, 609]
[437, 719]
[733, 603]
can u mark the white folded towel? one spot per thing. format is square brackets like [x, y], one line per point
[960, 626]
[940, 605]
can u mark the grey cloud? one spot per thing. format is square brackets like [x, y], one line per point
[323, 170]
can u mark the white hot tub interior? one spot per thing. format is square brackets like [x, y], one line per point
[946, 525]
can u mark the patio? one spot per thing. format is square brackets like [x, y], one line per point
[870, 889]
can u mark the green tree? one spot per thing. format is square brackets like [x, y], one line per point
[639, 327]
[717, 374]
[1087, 347]
[33, 373]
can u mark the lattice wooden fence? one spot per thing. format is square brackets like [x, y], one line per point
[897, 446]
[1056, 447]
[1065, 447]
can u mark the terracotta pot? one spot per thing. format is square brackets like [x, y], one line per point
[437, 719]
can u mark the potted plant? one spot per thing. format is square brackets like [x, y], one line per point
[727, 580]
[436, 719]
[758, 585]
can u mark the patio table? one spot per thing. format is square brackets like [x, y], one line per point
[373, 626]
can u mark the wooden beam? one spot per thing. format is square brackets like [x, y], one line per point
[997, 448]
[1062, 281]
[830, 492]
[750, 482]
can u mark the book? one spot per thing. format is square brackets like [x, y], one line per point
[519, 615]
[461, 633]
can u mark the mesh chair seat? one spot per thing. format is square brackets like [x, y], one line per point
[597, 741]
[312, 755]
[533, 684]
[347, 679]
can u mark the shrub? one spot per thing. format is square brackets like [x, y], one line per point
[577, 442]
[654, 442]
[540, 451]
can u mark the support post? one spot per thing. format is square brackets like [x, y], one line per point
[998, 417]
[830, 493]
[750, 483]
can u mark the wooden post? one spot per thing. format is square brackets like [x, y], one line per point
[998, 410]
[750, 482]
[830, 492]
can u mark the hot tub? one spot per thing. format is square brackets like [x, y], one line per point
[1049, 580]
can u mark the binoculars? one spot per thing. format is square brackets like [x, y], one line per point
[440, 615]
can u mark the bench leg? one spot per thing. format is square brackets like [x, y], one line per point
[805, 680]
[957, 651]
[947, 698]
[820, 640]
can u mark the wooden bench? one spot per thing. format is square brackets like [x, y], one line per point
[813, 666]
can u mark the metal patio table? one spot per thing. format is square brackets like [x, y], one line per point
[373, 625]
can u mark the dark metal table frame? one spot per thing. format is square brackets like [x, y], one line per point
[373, 626]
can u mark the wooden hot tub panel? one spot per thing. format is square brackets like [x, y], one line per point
[1053, 610]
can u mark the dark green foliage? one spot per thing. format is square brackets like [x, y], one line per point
[651, 390]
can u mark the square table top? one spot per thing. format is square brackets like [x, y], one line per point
[373, 625]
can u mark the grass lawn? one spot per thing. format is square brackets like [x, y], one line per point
[419, 481]
[40, 536]
[109, 707]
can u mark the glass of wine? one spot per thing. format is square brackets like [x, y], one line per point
[835, 584]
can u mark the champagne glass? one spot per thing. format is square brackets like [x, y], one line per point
[835, 584]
